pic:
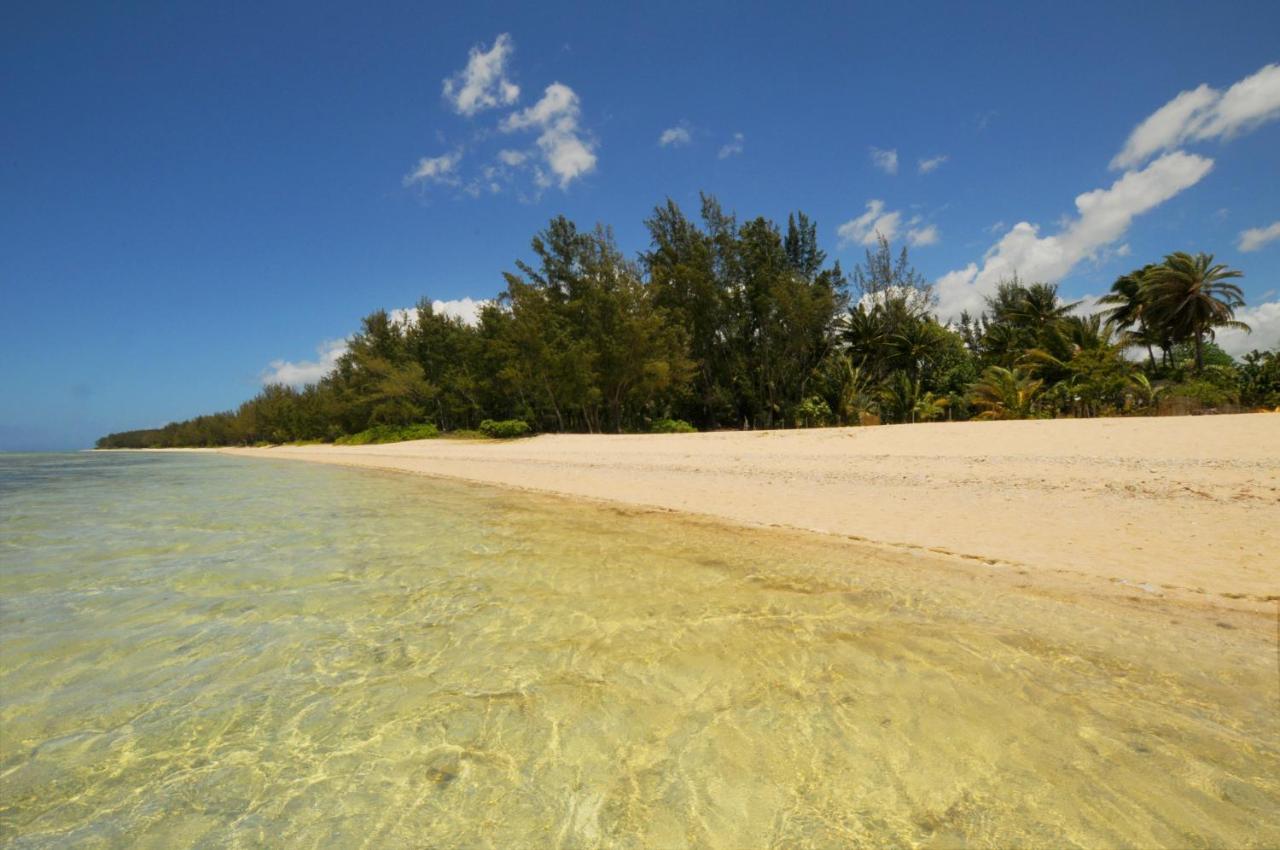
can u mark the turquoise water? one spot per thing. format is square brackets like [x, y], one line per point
[201, 651]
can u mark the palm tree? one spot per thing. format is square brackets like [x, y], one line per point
[1189, 297]
[1005, 393]
[1040, 308]
[902, 400]
[1128, 311]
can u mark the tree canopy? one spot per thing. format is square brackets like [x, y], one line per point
[728, 324]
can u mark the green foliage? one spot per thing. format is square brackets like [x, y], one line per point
[671, 426]
[1188, 297]
[1205, 392]
[1260, 379]
[744, 324]
[505, 429]
[812, 412]
[1006, 394]
[390, 434]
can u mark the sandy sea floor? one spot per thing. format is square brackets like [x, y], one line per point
[203, 651]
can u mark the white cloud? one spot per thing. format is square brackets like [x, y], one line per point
[1264, 319]
[919, 237]
[925, 166]
[674, 137]
[556, 115]
[885, 160]
[733, 147]
[467, 309]
[1255, 237]
[1104, 216]
[303, 372]
[483, 83]
[512, 158]
[436, 169]
[1204, 113]
[866, 228]
[306, 371]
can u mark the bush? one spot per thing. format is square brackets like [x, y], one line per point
[504, 429]
[1206, 393]
[390, 434]
[671, 426]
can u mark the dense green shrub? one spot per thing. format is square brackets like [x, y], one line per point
[504, 429]
[671, 426]
[1205, 392]
[390, 434]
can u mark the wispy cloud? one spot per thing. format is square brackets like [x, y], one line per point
[483, 83]
[733, 147]
[885, 160]
[927, 166]
[1255, 237]
[1204, 113]
[674, 137]
[878, 222]
[871, 225]
[436, 169]
[922, 236]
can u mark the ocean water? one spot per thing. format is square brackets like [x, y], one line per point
[203, 651]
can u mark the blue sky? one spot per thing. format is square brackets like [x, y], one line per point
[195, 192]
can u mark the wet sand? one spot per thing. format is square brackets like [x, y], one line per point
[1184, 508]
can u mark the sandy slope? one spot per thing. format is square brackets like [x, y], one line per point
[1186, 507]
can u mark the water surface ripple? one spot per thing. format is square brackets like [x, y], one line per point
[201, 651]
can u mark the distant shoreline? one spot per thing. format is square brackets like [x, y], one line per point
[1184, 508]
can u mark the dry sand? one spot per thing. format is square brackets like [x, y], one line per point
[1186, 508]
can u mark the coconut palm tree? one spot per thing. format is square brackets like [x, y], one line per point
[1040, 309]
[1005, 393]
[1127, 312]
[1189, 296]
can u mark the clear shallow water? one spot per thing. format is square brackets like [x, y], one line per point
[213, 652]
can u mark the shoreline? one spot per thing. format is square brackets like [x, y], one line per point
[1181, 508]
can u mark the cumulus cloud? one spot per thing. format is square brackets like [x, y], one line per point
[483, 84]
[885, 160]
[1204, 113]
[868, 227]
[1264, 319]
[926, 166]
[436, 169]
[878, 222]
[674, 137]
[1103, 217]
[556, 117]
[303, 372]
[512, 158]
[1255, 237]
[733, 147]
[467, 309]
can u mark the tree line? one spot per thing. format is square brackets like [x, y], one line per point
[723, 323]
